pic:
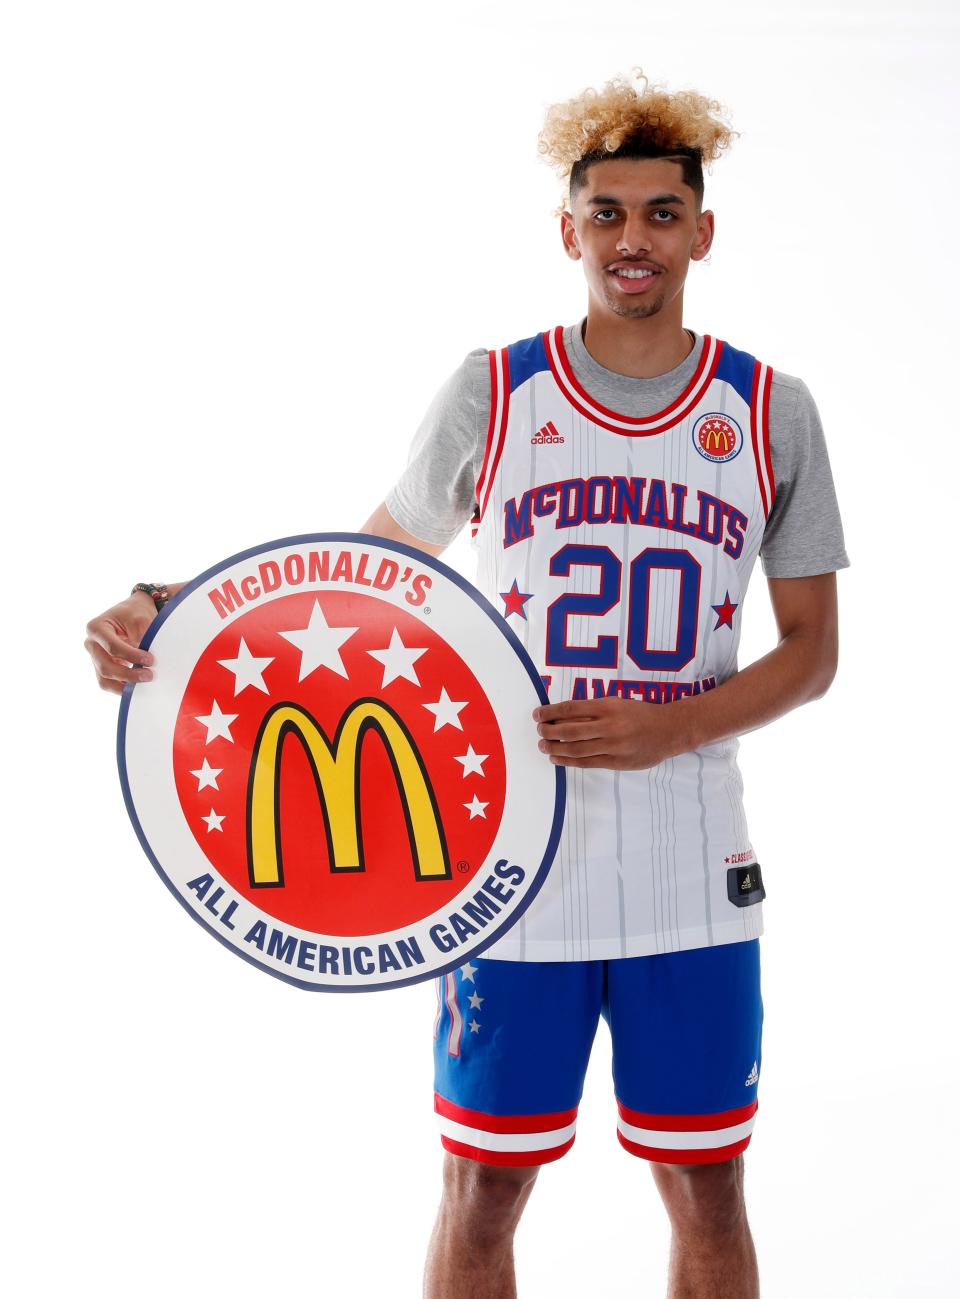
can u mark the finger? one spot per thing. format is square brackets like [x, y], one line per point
[112, 687]
[112, 669]
[577, 709]
[592, 729]
[107, 634]
[577, 748]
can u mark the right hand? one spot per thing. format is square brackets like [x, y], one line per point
[113, 639]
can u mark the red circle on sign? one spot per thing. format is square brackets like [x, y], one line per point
[212, 770]
[717, 436]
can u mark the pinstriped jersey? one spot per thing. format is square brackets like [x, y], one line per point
[619, 549]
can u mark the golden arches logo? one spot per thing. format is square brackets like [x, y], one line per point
[718, 439]
[336, 773]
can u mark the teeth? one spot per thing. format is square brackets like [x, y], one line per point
[632, 275]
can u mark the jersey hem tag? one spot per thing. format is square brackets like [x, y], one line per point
[745, 885]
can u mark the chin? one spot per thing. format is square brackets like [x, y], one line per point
[636, 310]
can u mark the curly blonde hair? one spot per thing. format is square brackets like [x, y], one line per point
[620, 120]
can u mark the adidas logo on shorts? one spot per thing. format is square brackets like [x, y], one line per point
[546, 433]
[753, 1076]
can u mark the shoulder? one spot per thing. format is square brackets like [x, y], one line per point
[513, 364]
[506, 366]
[474, 365]
[466, 389]
[792, 409]
[793, 421]
[532, 342]
[787, 391]
[796, 435]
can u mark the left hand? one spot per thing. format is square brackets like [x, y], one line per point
[622, 734]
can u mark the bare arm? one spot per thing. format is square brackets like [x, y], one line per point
[799, 669]
[113, 638]
[614, 732]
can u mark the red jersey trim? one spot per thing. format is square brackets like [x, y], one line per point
[629, 425]
[765, 434]
[760, 433]
[496, 428]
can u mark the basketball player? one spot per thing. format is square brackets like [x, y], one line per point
[620, 477]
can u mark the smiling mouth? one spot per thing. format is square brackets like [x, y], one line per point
[633, 279]
[638, 273]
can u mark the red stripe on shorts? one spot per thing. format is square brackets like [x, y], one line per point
[502, 1122]
[509, 1158]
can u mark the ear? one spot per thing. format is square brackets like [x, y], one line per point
[569, 236]
[704, 237]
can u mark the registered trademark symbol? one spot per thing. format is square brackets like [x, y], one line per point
[427, 609]
[463, 866]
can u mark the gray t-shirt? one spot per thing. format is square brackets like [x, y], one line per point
[434, 496]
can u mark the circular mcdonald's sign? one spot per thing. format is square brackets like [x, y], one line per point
[335, 769]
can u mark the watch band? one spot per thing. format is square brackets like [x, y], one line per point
[158, 594]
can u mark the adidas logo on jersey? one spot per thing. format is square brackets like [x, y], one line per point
[753, 1076]
[546, 433]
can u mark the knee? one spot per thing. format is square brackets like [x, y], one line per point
[489, 1196]
[708, 1197]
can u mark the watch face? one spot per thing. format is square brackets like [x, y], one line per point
[335, 768]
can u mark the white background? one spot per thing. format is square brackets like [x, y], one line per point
[244, 244]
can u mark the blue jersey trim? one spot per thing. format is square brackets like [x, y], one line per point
[736, 369]
[526, 357]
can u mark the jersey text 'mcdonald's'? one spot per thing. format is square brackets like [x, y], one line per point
[645, 501]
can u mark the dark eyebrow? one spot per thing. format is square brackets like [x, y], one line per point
[606, 200]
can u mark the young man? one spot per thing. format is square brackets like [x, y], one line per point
[620, 476]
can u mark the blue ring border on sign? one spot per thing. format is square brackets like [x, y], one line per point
[422, 557]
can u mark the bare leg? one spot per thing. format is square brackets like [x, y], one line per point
[471, 1250]
[711, 1251]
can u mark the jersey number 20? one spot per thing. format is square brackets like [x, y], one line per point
[605, 653]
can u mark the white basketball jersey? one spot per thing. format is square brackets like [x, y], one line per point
[619, 550]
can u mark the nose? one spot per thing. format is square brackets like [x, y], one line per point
[634, 236]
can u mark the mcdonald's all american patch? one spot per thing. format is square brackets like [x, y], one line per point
[335, 768]
[717, 437]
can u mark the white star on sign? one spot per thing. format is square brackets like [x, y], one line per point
[319, 644]
[213, 821]
[398, 660]
[476, 1000]
[468, 972]
[247, 670]
[218, 723]
[446, 712]
[207, 775]
[474, 1026]
[476, 808]
[472, 762]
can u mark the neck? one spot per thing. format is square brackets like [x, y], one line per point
[641, 348]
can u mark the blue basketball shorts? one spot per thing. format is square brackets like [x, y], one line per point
[512, 1040]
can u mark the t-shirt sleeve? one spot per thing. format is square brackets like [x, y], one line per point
[434, 496]
[803, 534]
